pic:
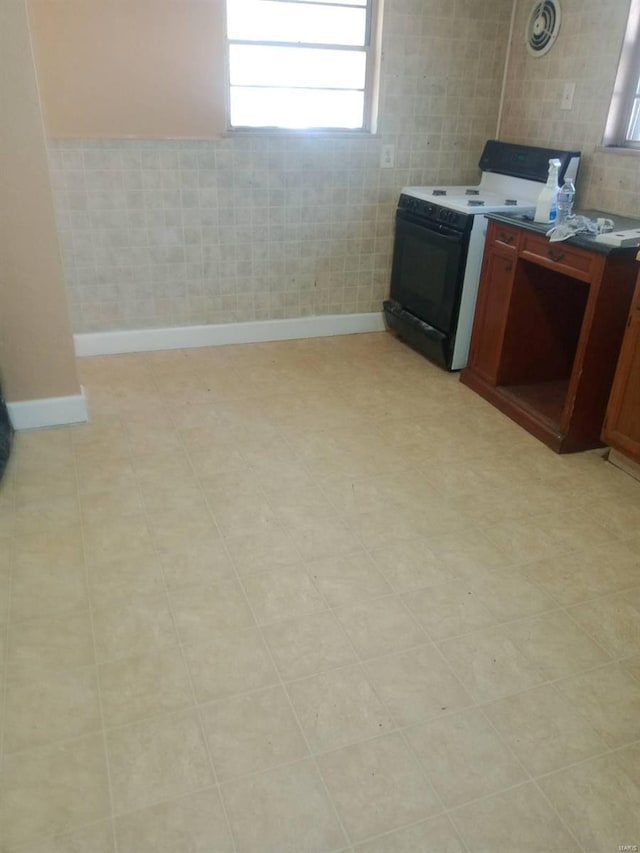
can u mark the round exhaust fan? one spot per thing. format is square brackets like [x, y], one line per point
[543, 27]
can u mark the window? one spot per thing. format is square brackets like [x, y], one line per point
[623, 123]
[301, 63]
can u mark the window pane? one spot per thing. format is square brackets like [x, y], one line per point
[296, 108]
[268, 20]
[256, 65]
[633, 133]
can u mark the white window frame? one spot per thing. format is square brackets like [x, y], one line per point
[372, 51]
[626, 91]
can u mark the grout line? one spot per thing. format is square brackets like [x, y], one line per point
[95, 655]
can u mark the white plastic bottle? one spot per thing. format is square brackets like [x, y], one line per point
[566, 195]
[547, 209]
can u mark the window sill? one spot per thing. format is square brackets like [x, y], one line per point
[287, 132]
[617, 150]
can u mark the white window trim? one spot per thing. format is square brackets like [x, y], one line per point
[373, 50]
[625, 87]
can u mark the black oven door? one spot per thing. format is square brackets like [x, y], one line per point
[428, 270]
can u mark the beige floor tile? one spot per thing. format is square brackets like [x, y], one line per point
[316, 538]
[377, 786]
[97, 838]
[39, 591]
[49, 548]
[171, 529]
[450, 609]
[490, 665]
[524, 540]
[631, 665]
[229, 663]
[282, 594]
[347, 579]
[519, 819]
[416, 685]
[157, 760]
[555, 645]
[253, 732]
[61, 511]
[135, 688]
[544, 729]
[436, 835]
[110, 505]
[134, 573]
[203, 561]
[380, 626]
[50, 708]
[290, 812]
[464, 758]
[202, 610]
[580, 575]
[261, 552]
[598, 800]
[40, 646]
[609, 699]
[311, 644]
[338, 708]
[116, 537]
[410, 564]
[192, 824]
[613, 622]
[33, 808]
[132, 625]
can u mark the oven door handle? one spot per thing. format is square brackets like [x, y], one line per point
[435, 228]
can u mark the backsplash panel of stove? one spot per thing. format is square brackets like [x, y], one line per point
[171, 233]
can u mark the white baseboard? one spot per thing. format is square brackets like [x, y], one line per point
[49, 412]
[188, 337]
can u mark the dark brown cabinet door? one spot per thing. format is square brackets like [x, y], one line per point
[622, 424]
[492, 309]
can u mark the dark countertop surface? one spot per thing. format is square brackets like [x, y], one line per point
[620, 223]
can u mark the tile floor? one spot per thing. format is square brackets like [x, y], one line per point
[314, 596]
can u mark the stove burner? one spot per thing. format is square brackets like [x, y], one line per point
[510, 201]
[472, 192]
[439, 192]
[475, 202]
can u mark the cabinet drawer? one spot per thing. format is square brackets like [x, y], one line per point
[503, 236]
[573, 262]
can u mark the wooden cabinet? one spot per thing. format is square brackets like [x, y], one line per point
[622, 424]
[547, 331]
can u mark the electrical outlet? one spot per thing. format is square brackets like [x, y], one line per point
[568, 91]
[387, 156]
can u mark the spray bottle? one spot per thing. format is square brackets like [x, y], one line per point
[547, 210]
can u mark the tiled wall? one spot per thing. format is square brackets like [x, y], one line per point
[248, 228]
[586, 53]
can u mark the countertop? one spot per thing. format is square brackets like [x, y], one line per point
[620, 223]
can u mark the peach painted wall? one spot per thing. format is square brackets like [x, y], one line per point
[130, 68]
[36, 345]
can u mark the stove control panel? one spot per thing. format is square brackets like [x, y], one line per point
[429, 210]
